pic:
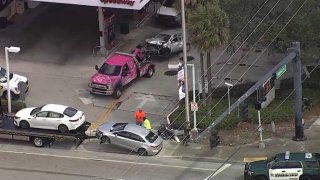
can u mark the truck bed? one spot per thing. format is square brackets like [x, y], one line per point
[7, 127]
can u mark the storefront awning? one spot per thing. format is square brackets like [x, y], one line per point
[120, 4]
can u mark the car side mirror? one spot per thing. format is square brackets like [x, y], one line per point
[96, 67]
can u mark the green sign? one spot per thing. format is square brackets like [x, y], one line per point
[281, 71]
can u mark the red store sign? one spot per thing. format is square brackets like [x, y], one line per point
[118, 2]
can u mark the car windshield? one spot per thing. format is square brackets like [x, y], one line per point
[151, 137]
[163, 37]
[118, 127]
[69, 111]
[3, 77]
[110, 70]
[168, 3]
[36, 110]
[271, 162]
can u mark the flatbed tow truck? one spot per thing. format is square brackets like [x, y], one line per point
[41, 137]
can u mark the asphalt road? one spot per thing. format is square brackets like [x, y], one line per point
[78, 164]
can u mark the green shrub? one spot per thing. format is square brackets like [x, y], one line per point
[16, 105]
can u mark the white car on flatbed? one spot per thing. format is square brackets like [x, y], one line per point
[50, 116]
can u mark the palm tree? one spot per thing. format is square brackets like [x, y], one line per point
[208, 26]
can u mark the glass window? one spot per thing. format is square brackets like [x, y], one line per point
[69, 111]
[118, 127]
[279, 165]
[36, 110]
[151, 137]
[110, 70]
[136, 137]
[312, 164]
[42, 114]
[124, 134]
[174, 38]
[55, 115]
[293, 164]
[163, 37]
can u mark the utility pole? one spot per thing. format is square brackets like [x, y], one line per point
[187, 123]
[299, 124]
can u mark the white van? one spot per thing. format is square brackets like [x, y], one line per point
[168, 15]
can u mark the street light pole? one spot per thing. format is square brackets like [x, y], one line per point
[7, 50]
[185, 63]
[194, 96]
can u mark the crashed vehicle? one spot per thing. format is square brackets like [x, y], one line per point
[166, 43]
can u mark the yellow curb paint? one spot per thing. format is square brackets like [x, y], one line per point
[103, 116]
[251, 159]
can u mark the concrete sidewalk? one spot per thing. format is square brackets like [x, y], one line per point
[202, 151]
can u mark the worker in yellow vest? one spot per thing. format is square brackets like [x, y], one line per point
[146, 123]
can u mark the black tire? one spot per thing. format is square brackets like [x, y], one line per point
[117, 92]
[150, 72]
[63, 128]
[142, 152]
[305, 178]
[260, 178]
[165, 52]
[38, 142]
[105, 139]
[24, 124]
[13, 96]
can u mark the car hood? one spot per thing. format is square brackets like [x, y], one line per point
[103, 79]
[14, 81]
[105, 128]
[257, 165]
[25, 113]
[154, 40]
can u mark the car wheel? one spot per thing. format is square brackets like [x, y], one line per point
[24, 124]
[38, 142]
[13, 96]
[166, 52]
[260, 178]
[305, 178]
[63, 128]
[142, 152]
[117, 92]
[105, 139]
[150, 72]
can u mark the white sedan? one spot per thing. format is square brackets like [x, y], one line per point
[50, 116]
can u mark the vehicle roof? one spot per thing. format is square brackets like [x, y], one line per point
[54, 107]
[171, 31]
[137, 129]
[298, 156]
[119, 59]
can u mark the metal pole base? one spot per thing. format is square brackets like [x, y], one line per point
[299, 138]
[262, 145]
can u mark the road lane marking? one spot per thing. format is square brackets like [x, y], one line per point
[107, 160]
[103, 116]
[225, 166]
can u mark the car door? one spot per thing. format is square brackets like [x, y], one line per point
[135, 141]
[125, 75]
[176, 45]
[284, 170]
[54, 120]
[40, 120]
[120, 139]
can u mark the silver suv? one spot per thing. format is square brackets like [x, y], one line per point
[165, 43]
[130, 136]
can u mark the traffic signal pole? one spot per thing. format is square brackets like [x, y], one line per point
[299, 124]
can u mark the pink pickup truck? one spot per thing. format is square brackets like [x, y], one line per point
[116, 72]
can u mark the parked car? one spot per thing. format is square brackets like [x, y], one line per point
[165, 43]
[130, 136]
[168, 15]
[116, 72]
[50, 116]
[15, 79]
